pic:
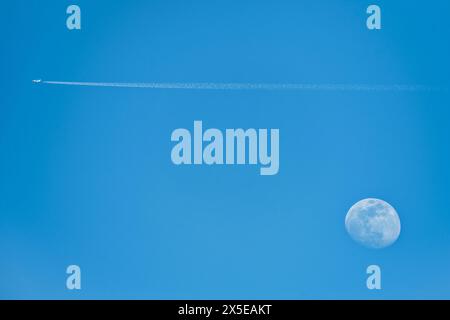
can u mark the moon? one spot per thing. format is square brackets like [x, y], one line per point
[373, 223]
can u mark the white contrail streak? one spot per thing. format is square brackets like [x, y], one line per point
[248, 86]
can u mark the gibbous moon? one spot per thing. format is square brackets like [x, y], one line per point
[373, 223]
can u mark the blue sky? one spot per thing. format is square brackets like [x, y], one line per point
[86, 176]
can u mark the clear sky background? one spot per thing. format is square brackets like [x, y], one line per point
[86, 176]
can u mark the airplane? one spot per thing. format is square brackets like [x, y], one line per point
[37, 81]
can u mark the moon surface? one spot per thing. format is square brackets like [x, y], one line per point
[373, 223]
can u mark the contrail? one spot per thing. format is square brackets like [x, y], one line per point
[248, 86]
